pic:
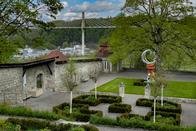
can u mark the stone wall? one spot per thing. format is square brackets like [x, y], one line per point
[11, 84]
[82, 72]
[31, 78]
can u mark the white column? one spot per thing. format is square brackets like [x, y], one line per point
[95, 90]
[161, 95]
[70, 111]
[83, 32]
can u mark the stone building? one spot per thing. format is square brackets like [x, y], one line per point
[31, 79]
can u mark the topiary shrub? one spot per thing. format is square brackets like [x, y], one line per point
[119, 108]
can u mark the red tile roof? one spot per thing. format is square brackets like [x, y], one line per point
[104, 50]
[59, 56]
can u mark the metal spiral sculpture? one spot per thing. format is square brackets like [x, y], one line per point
[145, 60]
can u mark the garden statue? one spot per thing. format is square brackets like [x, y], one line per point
[122, 89]
[150, 70]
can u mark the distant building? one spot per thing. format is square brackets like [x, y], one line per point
[103, 53]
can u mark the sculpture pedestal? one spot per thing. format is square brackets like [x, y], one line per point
[147, 92]
[121, 90]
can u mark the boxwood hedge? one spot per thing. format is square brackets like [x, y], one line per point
[42, 124]
[119, 108]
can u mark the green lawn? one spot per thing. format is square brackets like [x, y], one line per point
[174, 88]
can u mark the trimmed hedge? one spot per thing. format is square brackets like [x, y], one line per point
[91, 101]
[109, 99]
[139, 82]
[176, 116]
[86, 99]
[177, 109]
[128, 116]
[83, 114]
[119, 108]
[41, 124]
[149, 103]
[27, 112]
[137, 123]
[144, 102]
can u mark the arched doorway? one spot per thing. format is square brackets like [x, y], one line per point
[39, 81]
[39, 87]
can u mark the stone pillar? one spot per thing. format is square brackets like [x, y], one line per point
[147, 88]
[121, 89]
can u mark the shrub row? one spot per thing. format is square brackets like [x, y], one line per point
[176, 116]
[41, 124]
[86, 99]
[83, 114]
[139, 82]
[177, 109]
[136, 123]
[144, 102]
[129, 116]
[89, 99]
[27, 112]
[119, 108]
[149, 103]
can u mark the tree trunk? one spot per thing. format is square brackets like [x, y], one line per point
[70, 110]
[95, 90]
[161, 95]
[154, 117]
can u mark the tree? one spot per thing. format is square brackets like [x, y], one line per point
[20, 15]
[94, 76]
[161, 25]
[70, 79]
[158, 83]
[165, 26]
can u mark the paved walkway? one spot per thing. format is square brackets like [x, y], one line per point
[50, 99]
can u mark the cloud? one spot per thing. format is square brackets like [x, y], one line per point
[68, 16]
[98, 6]
[65, 4]
[93, 8]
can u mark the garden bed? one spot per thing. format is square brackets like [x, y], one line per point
[80, 112]
[175, 116]
[119, 108]
[137, 123]
[34, 124]
[91, 101]
[167, 105]
[27, 112]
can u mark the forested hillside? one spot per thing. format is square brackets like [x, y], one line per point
[53, 38]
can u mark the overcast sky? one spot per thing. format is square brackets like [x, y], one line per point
[93, 8]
